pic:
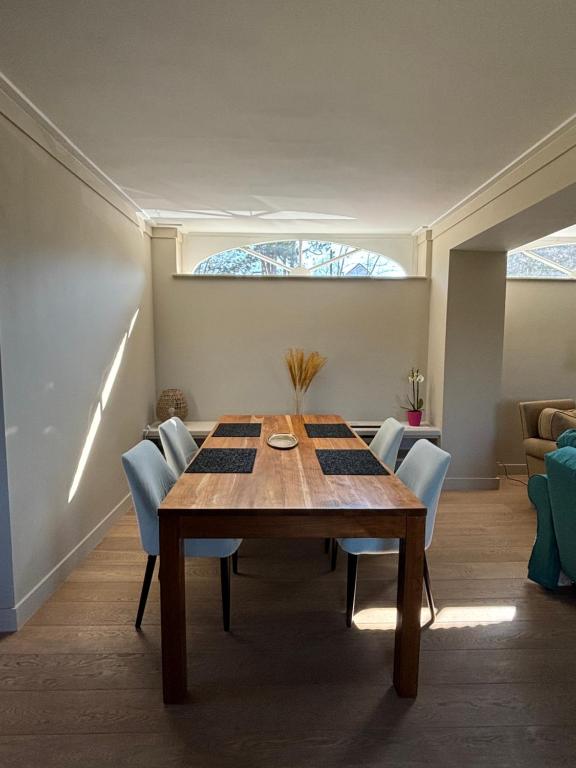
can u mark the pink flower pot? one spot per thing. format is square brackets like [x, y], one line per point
[414, 418]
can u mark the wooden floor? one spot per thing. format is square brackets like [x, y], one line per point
[290, 685]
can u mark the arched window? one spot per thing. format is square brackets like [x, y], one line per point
[549, 261]
[300, 258]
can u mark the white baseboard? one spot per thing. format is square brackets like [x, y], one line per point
[12, 619]
[472, 484]
[515, 469]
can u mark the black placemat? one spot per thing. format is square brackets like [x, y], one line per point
[223, 460]
[328, 430]
[349, 463]
[240, 429]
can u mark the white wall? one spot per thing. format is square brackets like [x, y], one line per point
[473, 364]
[73, 271]
[539, 353]
[222, 340]
[6, 580]
[198, 246]
[532, 197]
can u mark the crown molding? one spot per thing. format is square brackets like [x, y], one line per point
[545, 151]
[334, 237]
[24, 115]
[160, 232]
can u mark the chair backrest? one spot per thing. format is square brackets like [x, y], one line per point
[386, 442]
[178, 444]
[423, 471]
[150, 478]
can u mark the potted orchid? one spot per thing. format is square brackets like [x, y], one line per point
[415, 402]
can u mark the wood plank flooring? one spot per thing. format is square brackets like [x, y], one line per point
[290, 685]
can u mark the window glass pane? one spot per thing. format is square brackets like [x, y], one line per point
[386, 268]
[361, 263]
[317, 258]
[236, 262]
[565, 255]
[317, 252]
[521, 265]
[333, 269]
[284, 251]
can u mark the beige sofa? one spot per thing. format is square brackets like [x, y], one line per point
[534, 445]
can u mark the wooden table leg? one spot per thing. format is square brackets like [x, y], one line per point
[173, 610]
[409, 604]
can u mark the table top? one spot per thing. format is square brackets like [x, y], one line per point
[285, 481]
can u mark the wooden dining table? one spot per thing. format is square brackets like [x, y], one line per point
[287, 495]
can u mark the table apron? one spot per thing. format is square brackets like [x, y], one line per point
[293, 526]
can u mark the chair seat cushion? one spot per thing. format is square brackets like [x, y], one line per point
[369, 546]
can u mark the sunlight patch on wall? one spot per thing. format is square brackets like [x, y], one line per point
[97, 418]
[133, 322]
[111, 378]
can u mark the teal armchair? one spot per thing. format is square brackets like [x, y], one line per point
[553, 560]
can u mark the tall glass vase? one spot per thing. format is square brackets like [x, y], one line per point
[298, 401]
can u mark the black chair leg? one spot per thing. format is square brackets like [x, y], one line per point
[429, 597]
[351, 588]
[235, 562]
[333, 554]
[145, 589]
[225, 579]
[326, 545]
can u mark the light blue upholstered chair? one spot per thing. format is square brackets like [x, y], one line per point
[385, 444]
[423, 471]
[178, 444]
[150, 478]
[179, 449]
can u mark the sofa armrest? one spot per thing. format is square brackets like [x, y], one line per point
[530, 412]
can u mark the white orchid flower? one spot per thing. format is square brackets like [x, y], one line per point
[415, 403]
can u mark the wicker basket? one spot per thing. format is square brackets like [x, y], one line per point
[171, 403]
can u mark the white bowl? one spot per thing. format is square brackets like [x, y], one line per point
[283, 440]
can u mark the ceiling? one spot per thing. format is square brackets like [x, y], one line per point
[296, 116]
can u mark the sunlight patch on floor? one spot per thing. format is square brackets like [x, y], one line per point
[456, 616]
